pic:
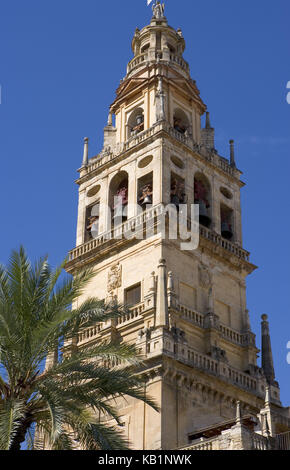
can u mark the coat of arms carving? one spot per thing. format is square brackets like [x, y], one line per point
[114, 277]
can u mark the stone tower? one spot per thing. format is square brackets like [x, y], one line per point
[188, 315]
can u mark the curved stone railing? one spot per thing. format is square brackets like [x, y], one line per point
[159, 57]
[180, 61]
[139, 59]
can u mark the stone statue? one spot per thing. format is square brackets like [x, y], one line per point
[158, 10]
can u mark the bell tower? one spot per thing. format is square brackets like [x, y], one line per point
[187, 308]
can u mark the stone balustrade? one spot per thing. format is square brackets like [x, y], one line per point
[133, 314]
[141, 59]
[206, 445]
[193, 358]
[191, 315]
[256, 442]
[112, 153]
[127, 229]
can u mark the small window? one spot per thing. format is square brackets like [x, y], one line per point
[133, 295]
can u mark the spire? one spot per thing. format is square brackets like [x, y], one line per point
[161, 300]
[232, 153]
[208, 134]
[267, 356]
[86, 152]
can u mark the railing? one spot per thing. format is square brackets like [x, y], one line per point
[127, 230]
[192, 316]
[137, 61]
[231, 335]
[180, 61]
[197, 360]
[93, 332]
[227, 245]
[142, 58]
[134, 313]
[283, 441]
[89, 333]
[206, 445]
[260, 442]
[116, 151]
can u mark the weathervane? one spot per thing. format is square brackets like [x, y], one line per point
[158, 9]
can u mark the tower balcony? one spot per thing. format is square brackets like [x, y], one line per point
[150, 221]
[144, 59]
[119, 151]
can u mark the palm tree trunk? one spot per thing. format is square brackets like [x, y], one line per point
[19, 437]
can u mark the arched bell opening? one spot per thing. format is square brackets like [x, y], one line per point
[118, 198]
[202, 196]
[135, 123]
[227, 216]
[92, 221]
[178, 195]
[181, 122]
[145, 191]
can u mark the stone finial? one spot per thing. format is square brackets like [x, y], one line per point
[267, 356]
[170, 284]
[238, 413]
[110, 119]
[86, 152]
[161, 298]
[207, 121]
[232, 153]
[152, 282]
[267, 397]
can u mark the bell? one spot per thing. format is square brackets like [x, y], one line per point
[139, 119]
[147, 200]
[226, 231]
[175, 200]
[204, 219]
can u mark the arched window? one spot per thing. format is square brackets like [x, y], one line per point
[227, 222]
[118, 198]
[135, 122]
[145, 48]
[202, 196]
[181, 122]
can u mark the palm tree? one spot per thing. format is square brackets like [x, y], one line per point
[65, 401]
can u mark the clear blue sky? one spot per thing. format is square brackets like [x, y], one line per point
[60, 63]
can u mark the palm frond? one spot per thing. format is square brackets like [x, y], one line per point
[11, 414]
